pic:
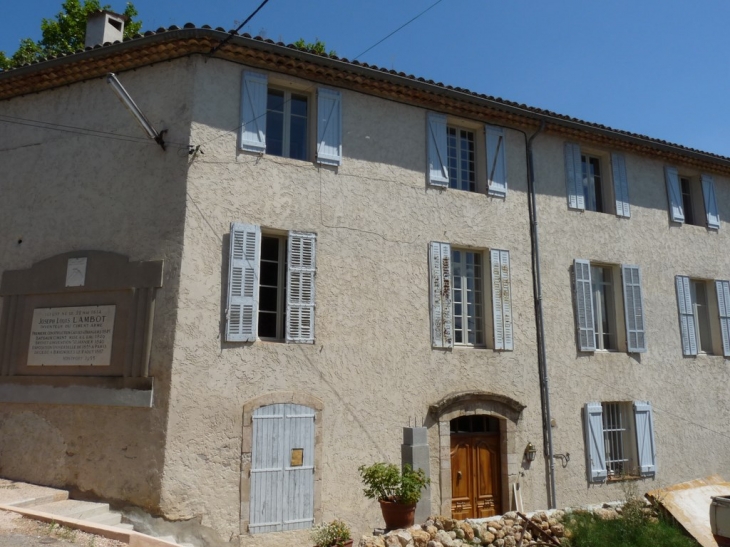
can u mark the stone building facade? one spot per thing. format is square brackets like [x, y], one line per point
[360, 263]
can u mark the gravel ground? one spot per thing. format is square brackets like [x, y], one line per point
[18, 531]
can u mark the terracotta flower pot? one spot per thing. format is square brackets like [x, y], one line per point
[397, 515]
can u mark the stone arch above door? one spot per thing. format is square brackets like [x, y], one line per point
[278, 397]
[465, 403]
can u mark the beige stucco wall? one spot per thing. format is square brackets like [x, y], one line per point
[689, 395]
[60, 192]
[372, 365]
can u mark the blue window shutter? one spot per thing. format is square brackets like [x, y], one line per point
[634, 309]
[686, 316]
[584, 305]
[502, 300]
[438, 172]
[595, 447]
[708, 191]
[574, 176]
[243, 283]
[496, 161]
[253, 112]
[723, 304]
[674, 194]
[441, 295]
[301, 271]
[329, 126]
[620, 185]
[646, 447]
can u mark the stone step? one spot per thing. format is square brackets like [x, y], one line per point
[75, 509]
[20, 494]
[109, 518]
[125, 526]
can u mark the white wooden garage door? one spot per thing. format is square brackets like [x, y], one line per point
[282, 468]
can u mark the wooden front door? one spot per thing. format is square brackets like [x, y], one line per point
[475, 475]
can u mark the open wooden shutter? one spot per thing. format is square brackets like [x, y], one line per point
[634, 309]
[441, 295]
[646, 448]
[300, 288]
[329, 126]
[620, 185]
[595, 447]
[708, 191]
[686, 316]
[253, 112]
[438, 165]
[674, 194]
[584, 305]
[243, 283]
[723, 304]
[496, 161]
[502, 300]
[574, 176]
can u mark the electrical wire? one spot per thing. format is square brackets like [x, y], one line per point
[396, 30]
[233, 33]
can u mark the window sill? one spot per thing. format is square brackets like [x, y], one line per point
[624, 478]
[77, 390]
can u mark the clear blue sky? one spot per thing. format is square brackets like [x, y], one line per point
[656, 67]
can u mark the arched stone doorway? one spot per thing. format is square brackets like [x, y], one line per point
[492, 444]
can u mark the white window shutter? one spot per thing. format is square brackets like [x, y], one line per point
[674, 194]
[686, 316]
[708, 191]
[620, 185]
[329, 126]
[723, 304]
[496, 161]
[301, 271]
[595, 448]
[634, 309]
[574, 176]
[441, 295]
[584, 305]
[502, 300]
[646, 447]
[243, 283]
[438, 172]
[253, 111]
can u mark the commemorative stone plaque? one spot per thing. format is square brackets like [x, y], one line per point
[74, 336]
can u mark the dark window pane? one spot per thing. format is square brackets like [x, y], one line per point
[270, 249]
[268, 298]
[298, 139]
[298, 105]
[269, 273]
[274, 133]
[275, 100]
[267, 325]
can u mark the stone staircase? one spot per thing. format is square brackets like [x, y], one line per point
[56, 502]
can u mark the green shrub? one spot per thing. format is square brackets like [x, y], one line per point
[334, 534]
[385, 482]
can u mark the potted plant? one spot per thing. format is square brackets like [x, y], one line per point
[397, 491]
[333, 534]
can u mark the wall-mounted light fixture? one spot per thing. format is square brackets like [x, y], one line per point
[530, 452]
[134, 109]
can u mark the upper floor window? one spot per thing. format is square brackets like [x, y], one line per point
[465, 158]
[691, 198]
[277, 120]
[286, 124]
[588, 181]
[700, 303]
[604, 320]
[459, 313]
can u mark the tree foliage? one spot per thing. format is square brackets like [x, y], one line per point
[317, 46]
[65, 33]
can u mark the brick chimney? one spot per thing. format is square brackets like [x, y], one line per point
[104, 26]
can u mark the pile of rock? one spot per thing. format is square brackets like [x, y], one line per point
[509, 530]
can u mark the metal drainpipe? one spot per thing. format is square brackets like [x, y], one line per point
[539, 321]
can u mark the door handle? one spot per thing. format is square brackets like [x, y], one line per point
[458, 475]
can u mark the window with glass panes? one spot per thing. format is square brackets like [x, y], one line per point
[603, 307]
[286, 124]
[592, 183]
[460, 152]
[468, 290]
[615, 421]
[272, 287]
[700, 309]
